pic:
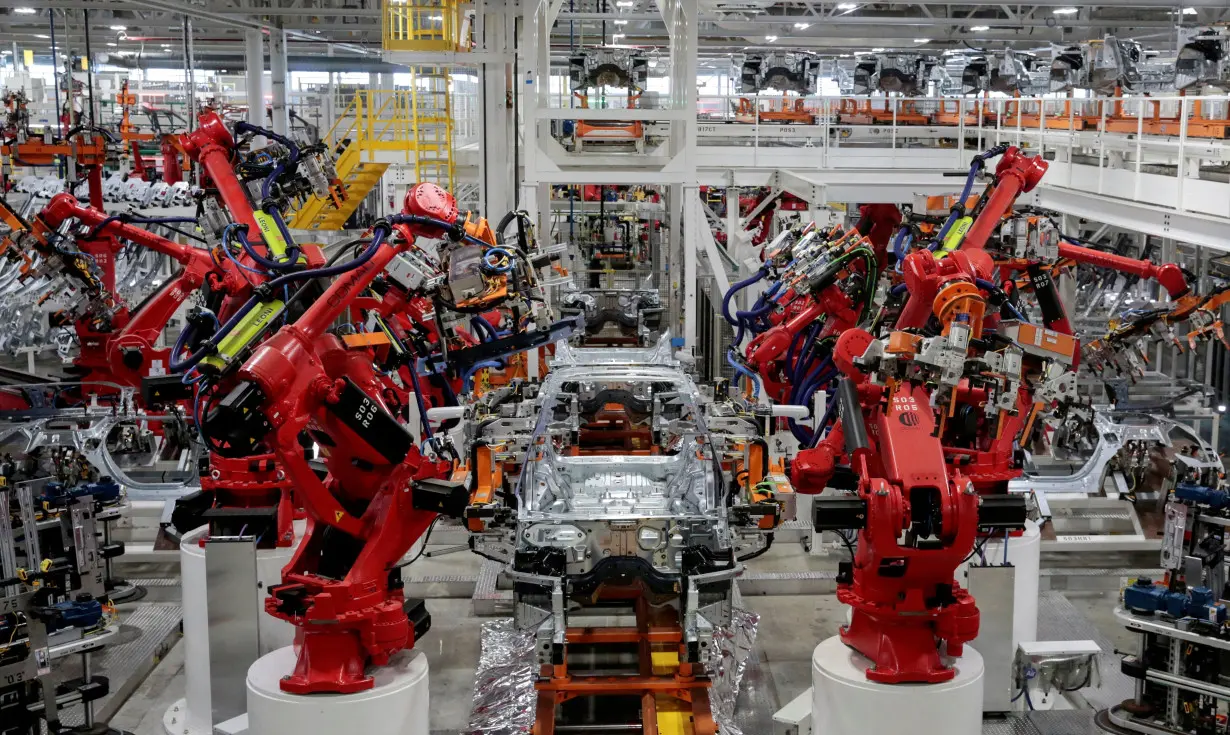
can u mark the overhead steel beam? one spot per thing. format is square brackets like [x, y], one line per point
[1186, 227]
[171, 6]
[899, 20]
[237, 21]
[215, 8]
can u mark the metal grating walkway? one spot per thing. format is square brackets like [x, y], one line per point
[147, 632]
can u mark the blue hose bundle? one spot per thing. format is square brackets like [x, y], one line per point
[741, 370]
[977, 165]
[986, 285]
[381, 231]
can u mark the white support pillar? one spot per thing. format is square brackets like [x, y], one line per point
[278, 66]
[691, 247]
[329, 108]
[254, 53]
[496, 117]
[190, 72]
[680, 17]
[535, 66]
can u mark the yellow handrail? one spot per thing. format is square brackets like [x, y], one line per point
[416, 121]
[424, 25]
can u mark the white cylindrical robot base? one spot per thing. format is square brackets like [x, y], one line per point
[844, 702]
[193, 714]
[396, 705]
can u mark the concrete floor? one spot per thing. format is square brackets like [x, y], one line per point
[790, 627]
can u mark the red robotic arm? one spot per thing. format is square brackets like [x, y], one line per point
[212, 145]
[1169, 275]
[903, 592]
[1016, 174]
[124, 356]
[340, 588]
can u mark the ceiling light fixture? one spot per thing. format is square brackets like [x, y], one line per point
[1189, 11]
[621, 22]
[922, 40]
[624, 4]
[1066, 11]
[25, 11]
[113, 45]
[847, 6]
[770, 39]
[802, 26]
[119, 28]
[979, 29]
[876, 50]
[41, 35]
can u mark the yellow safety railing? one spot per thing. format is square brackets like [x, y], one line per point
[425, 25]
[415, 121]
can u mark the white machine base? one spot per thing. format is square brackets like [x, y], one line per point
[844, 702]
[1024, 553]
[175, 720]
[193, 714]
[397, 705]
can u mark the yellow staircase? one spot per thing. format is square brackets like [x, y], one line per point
[381, 127]
[358, 179]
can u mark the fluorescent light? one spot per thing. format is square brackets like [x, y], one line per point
[1066, 11]
[41, 35]
[25, 11]
[624, 4]
[770, 39]
[621, 22]
[979, 29]
[119, 28]
[876, 50]
[922, 40]
[801, 26]
[166, 45]
[113, 45]
[847, 6]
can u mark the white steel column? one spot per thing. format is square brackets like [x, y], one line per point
[535, 68]
[189, 73]
[329, 108]
[496, 116]
[681, 24]
[278, 67]
[254, 52]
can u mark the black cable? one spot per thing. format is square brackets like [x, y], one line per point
[768, 544]
[303, 288]
[977, 549]
[848, 543]
[426, 538]
[350, 245]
